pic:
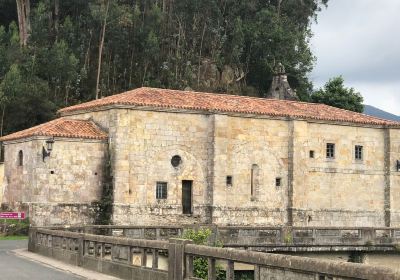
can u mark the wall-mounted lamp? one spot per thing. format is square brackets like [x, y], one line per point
[49, 146]
[398, 165]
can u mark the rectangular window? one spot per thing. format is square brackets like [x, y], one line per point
[311, 154]
[358, 152]
[229, 181]
[161, 190]
[278, 182]
[330, 150]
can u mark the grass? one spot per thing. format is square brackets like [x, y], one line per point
[14, 229]
[14, 221]
[13, 237]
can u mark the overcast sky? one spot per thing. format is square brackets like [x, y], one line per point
[360, 40]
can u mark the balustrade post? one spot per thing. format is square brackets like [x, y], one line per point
[103, 251]
[230, 270]
[32, 239]
[113, 251]
[257, 272]
[129, 255]
[176, 258]
[189, 267]
[144, 257]
[212, 272]
[314, 235]
[81, 249]
[154, 264]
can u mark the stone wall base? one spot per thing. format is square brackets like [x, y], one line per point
[54, 214]
[338, 218]
[145, 215]
[46, 214]
[248, 216]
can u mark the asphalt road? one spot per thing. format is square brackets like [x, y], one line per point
[14, 267]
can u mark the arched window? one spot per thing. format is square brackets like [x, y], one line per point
[255, 180]
[20, 158]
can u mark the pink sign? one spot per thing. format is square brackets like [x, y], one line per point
[12, 215]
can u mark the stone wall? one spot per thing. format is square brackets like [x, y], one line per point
[341, 191]
[145, 142]
[394, 178]
[274, 180]
[71, 176]
[254, 152]
[1, 180]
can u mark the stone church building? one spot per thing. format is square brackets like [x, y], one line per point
[189, 157]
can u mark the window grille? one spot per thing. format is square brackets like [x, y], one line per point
[330, 150]
[358, 152]
[161, 190]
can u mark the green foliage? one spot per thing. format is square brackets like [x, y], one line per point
[24, 99]
[13, 237]
[288, 239]
[14, 229]
[200, 265]
[199, 237]
[337, 95]
[356, 257]
[369, 243]
[210, 45]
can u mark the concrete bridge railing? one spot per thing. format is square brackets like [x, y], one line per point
[173, 259]
[269, 239]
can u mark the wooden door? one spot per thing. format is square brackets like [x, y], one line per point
[187, 197]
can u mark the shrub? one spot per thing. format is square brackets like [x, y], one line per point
[200, 265]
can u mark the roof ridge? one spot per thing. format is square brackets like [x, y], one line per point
[225, 94]
[224, 102]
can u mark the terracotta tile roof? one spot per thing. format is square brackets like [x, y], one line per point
[61, 127]
[176, 99]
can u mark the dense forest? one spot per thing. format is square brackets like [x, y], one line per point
[55, 53]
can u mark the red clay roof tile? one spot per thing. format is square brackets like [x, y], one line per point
[177, 99]
[61, 127]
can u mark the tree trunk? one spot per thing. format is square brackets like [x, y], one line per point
[103, 33]
[2, 120]
[87, 55]
[66, 94]
[201, 47]
[279, 7]
[24, 23]
[56, 17]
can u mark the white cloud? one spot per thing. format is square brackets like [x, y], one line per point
[360, 39]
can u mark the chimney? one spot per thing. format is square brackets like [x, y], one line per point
[280, 88]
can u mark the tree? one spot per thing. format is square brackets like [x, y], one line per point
[101, 45]
[200, 265]
[23, 9]
[23, 99]
[76, 49]
[335, 94]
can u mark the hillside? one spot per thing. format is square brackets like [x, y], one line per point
[373, 111]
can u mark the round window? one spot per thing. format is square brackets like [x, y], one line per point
[176, 161]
